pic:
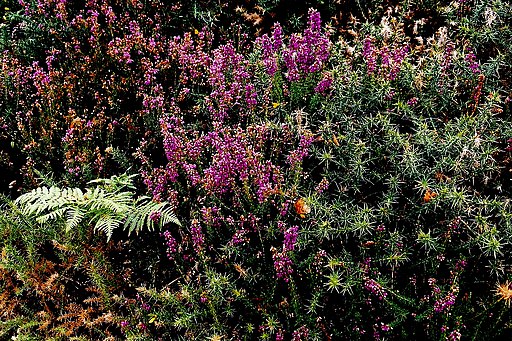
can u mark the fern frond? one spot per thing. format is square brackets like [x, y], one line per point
[53, 215]
[168, 216]
[105, 207]
[116, 183]
[134, 222]
[43, 199]
[74, 217]
[107, 223]
[119, 202]
[141, 216]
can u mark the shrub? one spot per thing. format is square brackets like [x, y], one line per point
[347, 182]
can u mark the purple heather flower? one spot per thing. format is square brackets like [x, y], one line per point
[454, 336]
[322, 186]
[447, 58]
[384, 57]
[250, 96]
[470, 59]
[282, 265]
[389, 96]
[369, 55]
[412, 102]
[284, 208]
[227, 64]
[461, 264]
[296, 156]
[444, 303]
[210, 215]
[155, 216]
[398, 58]
[239, 237]
[171, 243]
[269, 48]
[197, 235]
[306, 53]
[290, 238]
[300, 334]
[277, 37]
[509, 147]
[390, 60]
[324, 85]
[375, 288]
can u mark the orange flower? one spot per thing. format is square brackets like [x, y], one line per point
[429, 195]
[504, 291]
[368, 243]
[302, 208]
[335, 140]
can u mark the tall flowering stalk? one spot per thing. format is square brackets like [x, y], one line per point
[270, 46]
[302, 55]
[306, 54]
[229, 76]
[385, 61]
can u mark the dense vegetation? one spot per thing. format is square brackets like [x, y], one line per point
[255, 170]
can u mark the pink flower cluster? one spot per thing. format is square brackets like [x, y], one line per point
[375, 288]
[228, 76]
[270, 48]
[301, 334]
[290, 238]
[171, 243]
[470, 59]
[296, 156]
[283, 265]
[390, 58]
[444, 302]
[304, 53]
[282, 262]
[225, 160]
[197, 236]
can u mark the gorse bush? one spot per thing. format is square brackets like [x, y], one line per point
[51, 261]
[345, 181]
[56, 285]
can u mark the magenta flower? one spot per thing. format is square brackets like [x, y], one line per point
[370, 55]
[470, 59]
[197, 236]
[290, 238]
[282, 265]
[375, 288]
[324, 85]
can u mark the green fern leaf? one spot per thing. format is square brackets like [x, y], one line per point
[53, 215]
[105, 207]
[107, 224]
[141, 216]
[74, 217]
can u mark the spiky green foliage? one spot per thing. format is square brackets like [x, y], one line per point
[106, 207]
[42, 268]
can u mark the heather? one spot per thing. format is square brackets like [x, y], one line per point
[255, 170]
